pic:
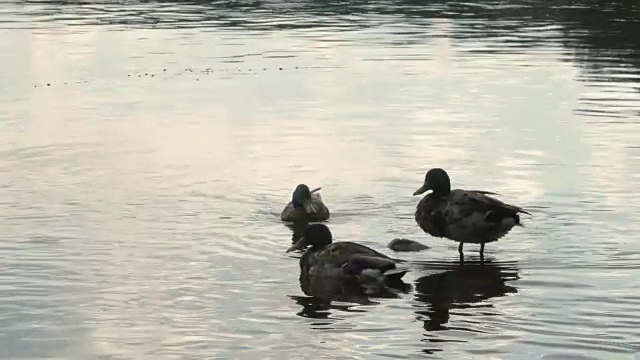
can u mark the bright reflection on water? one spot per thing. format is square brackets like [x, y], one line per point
[146, 149]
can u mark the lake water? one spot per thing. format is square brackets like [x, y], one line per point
[147, 148]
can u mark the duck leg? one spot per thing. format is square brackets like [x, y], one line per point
[482, 253]
[460, 251]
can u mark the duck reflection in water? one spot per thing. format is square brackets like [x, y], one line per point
[297, 230]
[324, 294]
[319, 308]
[461, 286]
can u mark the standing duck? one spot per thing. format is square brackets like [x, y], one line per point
[305, 205]
[344, 262]
[464, 216]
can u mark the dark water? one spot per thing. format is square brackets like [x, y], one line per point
[146, 149]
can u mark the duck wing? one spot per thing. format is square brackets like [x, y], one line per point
[475, 212]
[316, 204]
[464, 203]
[340, 253]
[357, 263]
[354, 259]
[316, 209]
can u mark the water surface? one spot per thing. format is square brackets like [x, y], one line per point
[146, 149]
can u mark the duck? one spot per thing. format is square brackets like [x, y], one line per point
[464, 216]
[305, 205]
[346, 262]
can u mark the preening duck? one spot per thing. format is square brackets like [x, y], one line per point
[305, 205]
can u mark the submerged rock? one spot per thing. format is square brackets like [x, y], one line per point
[406, 245]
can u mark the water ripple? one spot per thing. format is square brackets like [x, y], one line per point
[147, 148]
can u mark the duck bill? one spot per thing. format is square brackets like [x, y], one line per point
[299, 245]
[309, 207]
[421, 190]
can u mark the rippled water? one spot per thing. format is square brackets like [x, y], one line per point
[146, 149]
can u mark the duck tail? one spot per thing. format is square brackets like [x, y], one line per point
[524, 211]
[395, 274]
[516, 216]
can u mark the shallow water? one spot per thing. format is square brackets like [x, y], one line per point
[146, 149]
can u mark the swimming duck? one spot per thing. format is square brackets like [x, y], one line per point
[464, 216]
[305, 205]
[344, 261]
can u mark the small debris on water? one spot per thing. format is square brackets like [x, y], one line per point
[400, 244]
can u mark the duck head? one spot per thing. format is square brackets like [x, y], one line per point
[301, 199]
[316, 235]
[436, 180]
